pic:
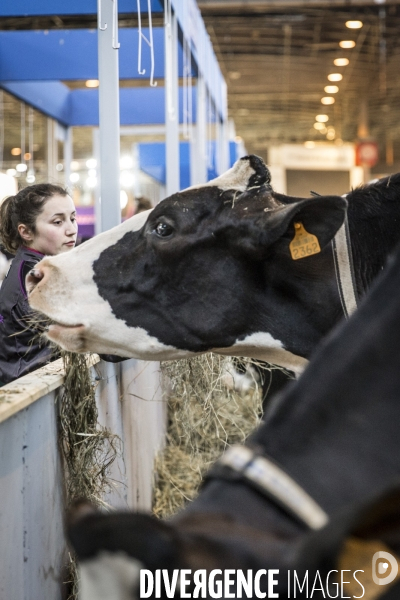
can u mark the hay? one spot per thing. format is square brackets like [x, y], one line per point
[88, 448]
[204, 417]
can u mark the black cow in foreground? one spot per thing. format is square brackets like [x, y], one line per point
[230, 266]
[320, 475]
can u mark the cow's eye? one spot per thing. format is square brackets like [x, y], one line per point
[163, 229]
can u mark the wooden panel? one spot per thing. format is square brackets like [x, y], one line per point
[32, 546]
[31, 542]
[43, 503]
[12, 507]
[110, 415]
[144, 415]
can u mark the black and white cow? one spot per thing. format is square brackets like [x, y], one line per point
[210, 268]
[316, 472]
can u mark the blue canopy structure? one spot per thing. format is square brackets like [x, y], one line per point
[152, 161]
[71, 54]
[34, 65]
[29, 8]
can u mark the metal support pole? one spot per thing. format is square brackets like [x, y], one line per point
[171, 102]
[108, 169]
[223, 146]
[198, 146]
[67, 156]
[97, 203]
[52, 153]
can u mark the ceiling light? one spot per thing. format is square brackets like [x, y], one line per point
[335, 77]
[331, 89]
[322, 118]
[123, 199]
[91, 163]
[74, 177]
[21, 167]
[234, 75]
[127, 179]
[91, 182]
[59, 167]
[238, 139]
[74, 165]
[327, 100]
[341, 62]
[347, 44]
[30, 178]
[331, 133]
[27, 156]
[11, 172]
[309, 144]
[126, 162]
[92, 83]
[319, 126]
[354, 24]
[15, 151]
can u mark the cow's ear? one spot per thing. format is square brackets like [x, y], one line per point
[321, 217]
[359, 539]
[256, 232]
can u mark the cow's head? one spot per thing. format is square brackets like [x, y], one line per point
[206, 269]
[113, 549]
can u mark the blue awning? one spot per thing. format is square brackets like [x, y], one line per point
[65, 54]
[28, 8]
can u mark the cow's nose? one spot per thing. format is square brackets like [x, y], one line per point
[33, 278]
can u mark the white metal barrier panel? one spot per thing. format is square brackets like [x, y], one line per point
[32, 544]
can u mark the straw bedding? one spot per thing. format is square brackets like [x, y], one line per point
[205, 415]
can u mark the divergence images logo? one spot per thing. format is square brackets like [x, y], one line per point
[383, 562]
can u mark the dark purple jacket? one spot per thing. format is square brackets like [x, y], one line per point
[20, 349]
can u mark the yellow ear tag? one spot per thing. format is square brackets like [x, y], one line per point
[303, 244]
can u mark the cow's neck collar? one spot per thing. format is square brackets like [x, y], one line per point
[344, 269]
[260, 472]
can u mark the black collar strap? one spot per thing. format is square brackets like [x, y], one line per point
[344, 269]
[241, 462]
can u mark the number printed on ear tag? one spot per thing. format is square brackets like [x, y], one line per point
[303, 244]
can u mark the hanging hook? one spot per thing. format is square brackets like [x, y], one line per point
[99, 16]
[149, 42]
[115, 43]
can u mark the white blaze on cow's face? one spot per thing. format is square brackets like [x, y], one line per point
[109, 576]
[83, 320]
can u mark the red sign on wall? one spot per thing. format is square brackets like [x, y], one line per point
[366, 154]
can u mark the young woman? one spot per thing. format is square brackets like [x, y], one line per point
[39, 220]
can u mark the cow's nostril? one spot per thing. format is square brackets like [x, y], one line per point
[32, 279]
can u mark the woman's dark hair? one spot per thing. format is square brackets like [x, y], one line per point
[24, 208]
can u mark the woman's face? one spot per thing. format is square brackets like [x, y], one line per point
[56, 227]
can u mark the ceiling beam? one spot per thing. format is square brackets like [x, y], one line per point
[265, 5]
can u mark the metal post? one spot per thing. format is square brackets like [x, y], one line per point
[67, 155]
[198, 147]
[108, 169]
[171, 101]
[97, 203]
[52, 153]
[223, 150]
